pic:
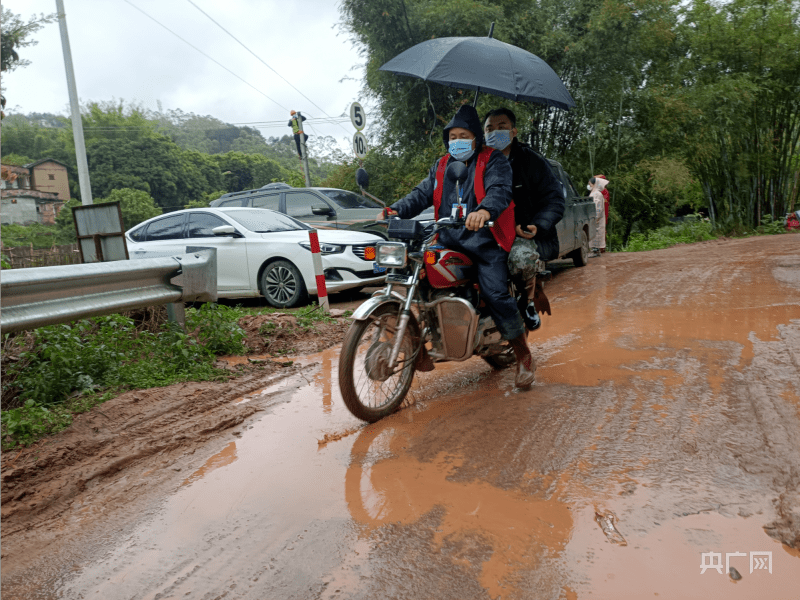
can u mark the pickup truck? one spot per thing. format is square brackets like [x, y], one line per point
[579, 223]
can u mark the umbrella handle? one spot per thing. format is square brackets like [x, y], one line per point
[475, 101]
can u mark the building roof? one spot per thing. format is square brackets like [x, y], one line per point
[16, 170]
[36, 163]
[39, 196]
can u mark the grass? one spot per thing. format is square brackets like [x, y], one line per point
[55, 372]
[691, 231]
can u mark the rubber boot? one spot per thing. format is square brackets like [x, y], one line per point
[526, 368]
[531, 315]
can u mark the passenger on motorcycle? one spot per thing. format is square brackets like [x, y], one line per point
[538, 205]
[487, 197]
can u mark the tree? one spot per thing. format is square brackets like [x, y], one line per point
[733, 105]
[15, 33]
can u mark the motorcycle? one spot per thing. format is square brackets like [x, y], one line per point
[430, 298]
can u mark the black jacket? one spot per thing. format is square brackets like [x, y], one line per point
[537, 192]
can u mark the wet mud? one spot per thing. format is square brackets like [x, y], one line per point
[662, 436]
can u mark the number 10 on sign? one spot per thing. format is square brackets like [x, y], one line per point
[360, 144]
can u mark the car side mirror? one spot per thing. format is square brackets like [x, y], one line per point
[362, 178]
[321, 210]
[225, 230]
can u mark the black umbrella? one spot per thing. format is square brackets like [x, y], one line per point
[486, 65]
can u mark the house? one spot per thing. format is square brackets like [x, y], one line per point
[50, 175]
[33, 193]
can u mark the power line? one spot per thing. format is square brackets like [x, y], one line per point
[262, 61]
[206, 55]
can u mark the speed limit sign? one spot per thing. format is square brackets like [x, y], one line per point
[360, 144]
[357, 116]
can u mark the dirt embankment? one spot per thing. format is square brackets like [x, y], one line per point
[131, 444]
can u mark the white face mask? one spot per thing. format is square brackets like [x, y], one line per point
[588, 187]
[499, 139]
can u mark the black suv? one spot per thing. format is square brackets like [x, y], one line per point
[328, 208]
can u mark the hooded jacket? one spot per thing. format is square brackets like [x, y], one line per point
[496, 180]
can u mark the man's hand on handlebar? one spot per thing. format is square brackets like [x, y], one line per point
[526, 234]
[476, 220]
[385, 214]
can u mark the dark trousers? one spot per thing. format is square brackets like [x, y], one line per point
[297, 143]
[491, 264]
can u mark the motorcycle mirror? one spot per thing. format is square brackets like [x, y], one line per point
[362, 178]
[457, 171]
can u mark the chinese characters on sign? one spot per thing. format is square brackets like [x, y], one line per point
[713, 560]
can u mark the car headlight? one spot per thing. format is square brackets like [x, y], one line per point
[324, 248]
[391, 255]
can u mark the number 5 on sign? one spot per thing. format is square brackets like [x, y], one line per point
[357, 116]
[360, 144]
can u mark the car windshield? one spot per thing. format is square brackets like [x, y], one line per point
[350, 200]
[261, 220]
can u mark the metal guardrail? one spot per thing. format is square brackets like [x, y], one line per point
[40, 296]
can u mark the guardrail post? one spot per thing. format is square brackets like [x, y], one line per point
[322, 290]
[176, 313]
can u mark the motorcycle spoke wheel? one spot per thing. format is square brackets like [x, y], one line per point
[370, 389]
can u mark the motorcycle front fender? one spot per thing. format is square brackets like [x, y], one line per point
[370, 306]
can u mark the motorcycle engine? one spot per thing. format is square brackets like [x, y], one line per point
[467, 293]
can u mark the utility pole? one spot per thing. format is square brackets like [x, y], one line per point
[304, 150]
[77, 124]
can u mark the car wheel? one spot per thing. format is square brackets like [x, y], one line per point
[580, 256]
[282, 285]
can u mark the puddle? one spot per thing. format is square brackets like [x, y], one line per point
[222, 458]
[665, 560]
[507, 530]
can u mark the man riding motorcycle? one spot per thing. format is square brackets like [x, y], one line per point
[538, 205]
[486, 197]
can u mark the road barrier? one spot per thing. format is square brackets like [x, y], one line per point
[36, 297]
[322, 290]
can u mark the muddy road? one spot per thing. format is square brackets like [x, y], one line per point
[662, 436]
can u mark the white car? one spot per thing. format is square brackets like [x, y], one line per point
[260, 251]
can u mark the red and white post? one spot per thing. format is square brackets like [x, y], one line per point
[322, 290]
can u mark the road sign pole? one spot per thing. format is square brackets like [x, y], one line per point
[304, 150]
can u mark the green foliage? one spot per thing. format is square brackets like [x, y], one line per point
[770, 226]
[694, 229]
[648, 193]
[36, 234]
[24, 425]
[62, 362]
[217, 328]
[16, 159]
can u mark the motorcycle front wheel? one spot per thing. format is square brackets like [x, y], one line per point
[370, 389]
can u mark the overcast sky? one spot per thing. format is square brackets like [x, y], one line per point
[119, 53]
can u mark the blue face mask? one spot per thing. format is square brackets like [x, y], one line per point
[499, 139]
[461, 149]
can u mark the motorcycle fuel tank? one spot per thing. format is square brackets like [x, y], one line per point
[451, 269]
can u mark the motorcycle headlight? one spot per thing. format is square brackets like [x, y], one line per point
[391, 255]
[324, 248]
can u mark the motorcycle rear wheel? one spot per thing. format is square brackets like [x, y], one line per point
[369, 390]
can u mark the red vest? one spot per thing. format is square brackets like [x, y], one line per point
[504, 227]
